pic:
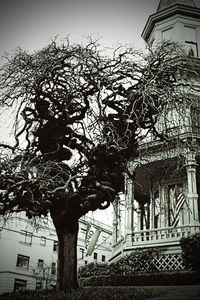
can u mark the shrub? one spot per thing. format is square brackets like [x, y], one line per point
[138, 261]
[158, 279]
[191, 252]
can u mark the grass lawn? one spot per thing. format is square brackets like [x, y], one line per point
[117, 293]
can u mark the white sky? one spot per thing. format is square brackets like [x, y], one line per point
[31, 24]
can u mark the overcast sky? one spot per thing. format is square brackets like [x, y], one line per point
[30, 24]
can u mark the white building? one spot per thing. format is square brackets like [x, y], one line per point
[28, 253]
[150, 211]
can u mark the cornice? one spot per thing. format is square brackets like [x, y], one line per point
[166, 13]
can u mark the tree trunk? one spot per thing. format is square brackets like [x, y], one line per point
[67, 257]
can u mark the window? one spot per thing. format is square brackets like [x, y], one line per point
[55, 246]
[53, 268]
[38, 285]
[191, 41]
[95, 255]
[83, 230]
[23, 261]
[195, 119]
[167, 34]
[82, 253]
[26, 237]
[103, 258]
[20, 285]
[40, 263]
[43, 241]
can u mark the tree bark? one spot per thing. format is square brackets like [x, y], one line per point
[67, 257]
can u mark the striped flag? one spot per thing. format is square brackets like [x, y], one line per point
[180, 199]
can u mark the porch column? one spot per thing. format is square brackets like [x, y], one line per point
[115, 220]
[152, 224]
[129, 206]
[192, 188]
[139, 219]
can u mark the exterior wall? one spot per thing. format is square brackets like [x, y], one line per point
[102, 249]
[173, 29]
[40, 244]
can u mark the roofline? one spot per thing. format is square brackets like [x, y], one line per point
[166, 13]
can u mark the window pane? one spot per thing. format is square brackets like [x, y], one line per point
[38, 285]
[20, 285]
[26, 237]
[82, 253]
[22, 261]
[55, 246]
[40, 263]
[53, 268]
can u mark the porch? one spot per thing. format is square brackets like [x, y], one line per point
[157, 237]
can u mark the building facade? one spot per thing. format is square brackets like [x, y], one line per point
[162, 203]
[28, 251]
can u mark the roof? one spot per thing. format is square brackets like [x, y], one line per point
[164, 4]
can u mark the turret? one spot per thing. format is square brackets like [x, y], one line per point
[175, 20]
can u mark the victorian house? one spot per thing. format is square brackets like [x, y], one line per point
[162, 204]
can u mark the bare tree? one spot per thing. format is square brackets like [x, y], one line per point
[79, 119]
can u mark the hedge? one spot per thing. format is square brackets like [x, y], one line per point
[191, 252]
[158, 279]
[140, 260]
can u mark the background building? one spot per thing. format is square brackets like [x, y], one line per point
[28, 251]
[166, 206]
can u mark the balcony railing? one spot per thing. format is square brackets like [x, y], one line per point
[163, 235]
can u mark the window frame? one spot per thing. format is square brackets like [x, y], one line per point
[23, 286]
[103, 258]
[28, 237]
[53, 268]
[18, 262]
[55, 246]
[40, 263]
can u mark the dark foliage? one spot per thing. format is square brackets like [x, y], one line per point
[153, 279]
[141, 260]
[191, 252]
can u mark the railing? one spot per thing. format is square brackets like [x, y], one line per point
[163, 235]
[156, 237]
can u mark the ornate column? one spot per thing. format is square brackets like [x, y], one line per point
[129, 206]
[192, 187]
[139, 220]
[115, 220]
[152, 213]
